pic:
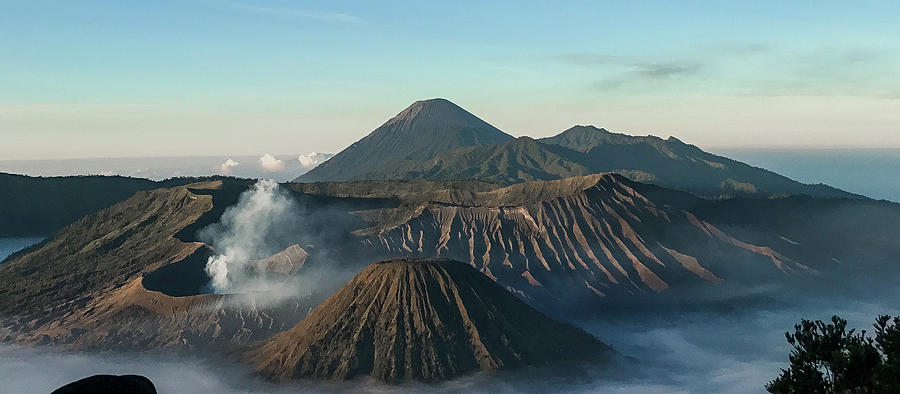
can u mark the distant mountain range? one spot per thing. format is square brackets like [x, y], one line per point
[437, 140]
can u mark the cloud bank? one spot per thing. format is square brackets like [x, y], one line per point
[312, 159]
[227, 166]
[270, 163]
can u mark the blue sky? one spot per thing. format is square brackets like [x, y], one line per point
[123, 78]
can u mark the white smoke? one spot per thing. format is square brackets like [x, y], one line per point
[270, 163]
[245, 233]
[227, 166]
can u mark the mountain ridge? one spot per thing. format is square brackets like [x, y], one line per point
[417, 153]
[675, 164]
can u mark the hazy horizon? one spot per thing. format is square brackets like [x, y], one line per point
[835, 167]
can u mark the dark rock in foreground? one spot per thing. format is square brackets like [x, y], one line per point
[422, 320]
[102, 384]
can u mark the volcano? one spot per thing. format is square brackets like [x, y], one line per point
[425, 128]
[425, 320]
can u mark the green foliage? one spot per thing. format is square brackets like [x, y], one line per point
[828, 358]
[887, 340]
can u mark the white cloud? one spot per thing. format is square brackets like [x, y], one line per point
[312, 159]
[270, 163]
[227, 166]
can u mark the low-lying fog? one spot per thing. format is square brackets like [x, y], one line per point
[732, 349]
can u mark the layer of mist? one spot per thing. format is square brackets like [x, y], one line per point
[735, 349]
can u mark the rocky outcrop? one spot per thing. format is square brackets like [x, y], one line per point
[422, 320]
[286, 262]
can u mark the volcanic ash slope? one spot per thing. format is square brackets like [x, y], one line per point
[422, 320]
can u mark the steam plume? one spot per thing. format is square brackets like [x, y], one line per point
[244, 233]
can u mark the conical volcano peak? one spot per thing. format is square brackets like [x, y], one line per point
[436, 103]
[420, 131]
[439, 114]
[422, 320]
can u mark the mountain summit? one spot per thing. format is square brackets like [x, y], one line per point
[419, 132]
[423, 320]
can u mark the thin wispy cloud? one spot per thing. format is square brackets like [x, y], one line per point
[293, 13]
[650, 72]
[626, 70]
[666, 70]
[750, 70]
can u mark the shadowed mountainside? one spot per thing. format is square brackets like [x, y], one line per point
[38, 206]
[673, 164]
[422, 320]
[520, 160]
